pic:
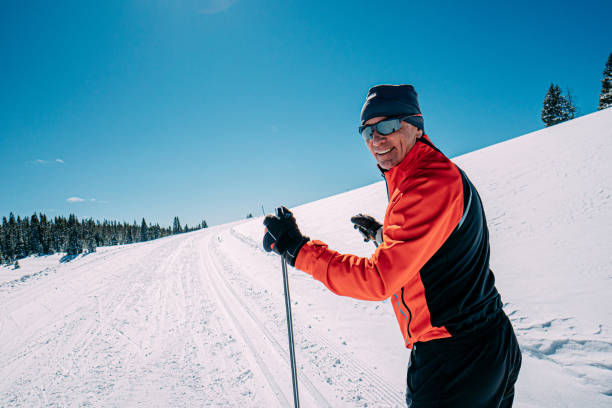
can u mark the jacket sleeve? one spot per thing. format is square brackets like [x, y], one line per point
[418, 221]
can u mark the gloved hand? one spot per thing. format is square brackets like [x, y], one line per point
[283, 235]
[369, 228]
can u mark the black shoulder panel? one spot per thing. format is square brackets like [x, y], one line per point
[459, 286]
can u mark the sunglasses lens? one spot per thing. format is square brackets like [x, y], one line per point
[386, 127]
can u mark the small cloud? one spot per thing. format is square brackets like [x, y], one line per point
[215, 6]
[45, 162]
[82, 200]
[274, 129]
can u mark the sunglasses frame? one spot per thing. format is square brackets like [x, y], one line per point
[374, 126]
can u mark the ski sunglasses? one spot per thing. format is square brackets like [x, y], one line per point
[384, 127]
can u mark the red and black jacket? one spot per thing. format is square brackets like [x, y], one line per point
[433, 263]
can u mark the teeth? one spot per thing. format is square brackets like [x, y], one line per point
[384, 151]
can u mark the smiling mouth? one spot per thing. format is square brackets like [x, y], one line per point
[383, 152]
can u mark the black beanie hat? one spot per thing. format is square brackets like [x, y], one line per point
[392, 100]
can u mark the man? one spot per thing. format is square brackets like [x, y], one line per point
[432, 260]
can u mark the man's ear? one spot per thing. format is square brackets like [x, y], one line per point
[420, 133]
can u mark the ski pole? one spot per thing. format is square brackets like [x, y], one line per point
[296, 397]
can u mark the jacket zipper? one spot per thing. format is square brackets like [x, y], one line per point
[409, 314]
[403, 301]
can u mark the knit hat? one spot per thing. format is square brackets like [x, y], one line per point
[392, 100]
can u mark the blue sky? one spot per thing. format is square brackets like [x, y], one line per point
[211, 109]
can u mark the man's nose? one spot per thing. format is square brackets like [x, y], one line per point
[377, 137]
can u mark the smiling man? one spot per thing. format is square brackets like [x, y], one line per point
[431, 260]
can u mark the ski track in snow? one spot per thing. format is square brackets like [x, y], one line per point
[250, 327]
[350, 379]
[143, 334]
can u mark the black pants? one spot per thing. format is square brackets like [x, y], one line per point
[479, 370]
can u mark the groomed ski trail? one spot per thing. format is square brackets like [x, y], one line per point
[354, 383]
[138, 328]
[266, 352]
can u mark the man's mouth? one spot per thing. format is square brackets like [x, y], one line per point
[383, 152]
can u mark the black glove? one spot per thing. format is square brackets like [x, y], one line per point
[369, 228]
[283, 235]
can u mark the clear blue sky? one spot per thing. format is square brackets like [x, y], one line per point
[210, 109]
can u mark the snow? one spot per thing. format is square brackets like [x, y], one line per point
[198, 319]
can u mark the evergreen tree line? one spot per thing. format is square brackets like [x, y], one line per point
[39, 235]
[559, 108]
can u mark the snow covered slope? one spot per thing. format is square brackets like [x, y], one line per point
[198, 319]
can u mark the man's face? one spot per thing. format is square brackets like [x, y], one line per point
[391, 149]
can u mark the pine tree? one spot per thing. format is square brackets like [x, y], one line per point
[135, 231]
[20, 245]
[11, 237]
[605, 97]
[36, 236]
[98, 237]
[144, 231]
[60, 235]
[552, 109]
[91, 244]
[557, 108]
[568, 110]
[176, 227]
[204, 224]
[154, 231]
[45, 235]
[4, 239]
[75, 246]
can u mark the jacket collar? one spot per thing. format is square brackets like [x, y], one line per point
[396, 174]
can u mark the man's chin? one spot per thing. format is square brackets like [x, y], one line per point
[387, 161]
[385, 165]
